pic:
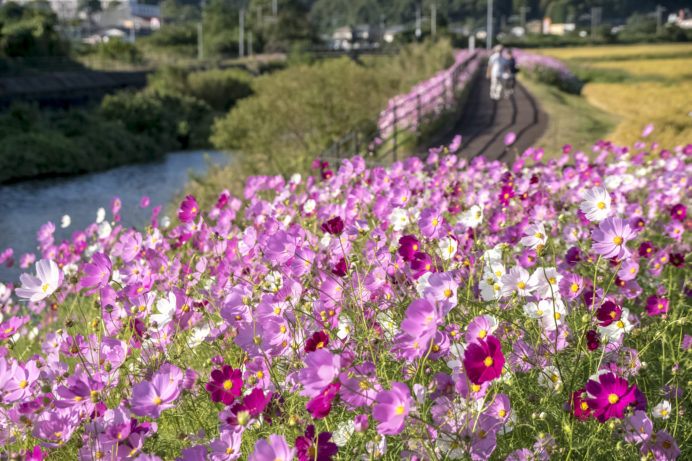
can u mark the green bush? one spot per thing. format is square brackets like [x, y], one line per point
[220, 88]
[158, 116]
[118, 50]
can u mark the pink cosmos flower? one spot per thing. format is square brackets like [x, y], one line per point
[678, 212]
[510, 138]
[144, 202]
[609, 396]
[97, 273]
[274, 449]
[483, 360]
[321, 368]
[611, 237]
[648, 129]
[391, 409]
[226, 385]
[421, 320]
[188, 210]
[226, 447]
[150, 398]
[12, 326]
[37, 288]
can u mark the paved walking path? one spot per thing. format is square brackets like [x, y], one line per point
[483, 123]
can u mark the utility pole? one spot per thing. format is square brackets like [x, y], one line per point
[418, 31]
[200, 36]
[275, 8]
[659, 18]
[489, 34]
[595, 19]
[522, 12]
[249, 43]
[241, 33]
[259, 16]
[433, 18]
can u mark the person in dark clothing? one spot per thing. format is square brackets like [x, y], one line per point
[509, 73]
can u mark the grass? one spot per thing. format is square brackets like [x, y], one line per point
[636, 85]
[571, 119]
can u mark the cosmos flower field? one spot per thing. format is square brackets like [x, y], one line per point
[436, 309]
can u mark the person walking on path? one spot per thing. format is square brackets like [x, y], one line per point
[496, 63]
[509, 73]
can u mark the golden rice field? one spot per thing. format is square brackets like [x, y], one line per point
[674, 67]
[618, 51]
[664, 99]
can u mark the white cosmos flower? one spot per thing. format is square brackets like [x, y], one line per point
[165, 222]
[615, 330]
[662, 410]
[295, 179]
[456, 350]
[104, 229]
[509, 425]
[100, 215]
[166, 308]
[198, 334]
[491, 288]
[596, 204]
[546, 280]
[399, 219]
[43, 285]
[309, 206]
[472, 217]
[66, 221]
[344, 327]
[447, 248]
[343, 432]
[535, 235]
[549, 377]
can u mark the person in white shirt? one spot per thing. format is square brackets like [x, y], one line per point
[496, 63]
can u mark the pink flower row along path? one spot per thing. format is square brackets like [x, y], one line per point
[446, 309]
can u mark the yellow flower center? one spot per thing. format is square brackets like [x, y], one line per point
[482, 434]
[448, 293]
[584, 406]
[475, 387]
[78, 399]
[601, 205]
[554, 378]
[23, 384]
[45, 287]
[282, 329]
[613, 399]
[228, 384]
[617, 240]
[364, 385]
[488, 362]
[158, 401]
[664, 412]
[574, 288]
[621, 324]
[539, 235]
[400, 410]
[259, 374]
[502, 413]
[521, 285]
[434, 222]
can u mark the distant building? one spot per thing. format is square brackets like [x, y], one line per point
[682, 19]
[353, 37]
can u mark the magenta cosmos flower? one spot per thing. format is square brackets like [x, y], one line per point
[42, 286]
[610, 238]
[391, 408]
[334, 226]
[274, 449]
[311, 448]
[225, 385]
[188, 210]
[656, 305]
[483, 360]
[320, 406]
[611, 395]
[151, 398]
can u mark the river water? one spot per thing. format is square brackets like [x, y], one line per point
[26, 206]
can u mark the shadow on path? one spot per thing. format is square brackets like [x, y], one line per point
[483, 123]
